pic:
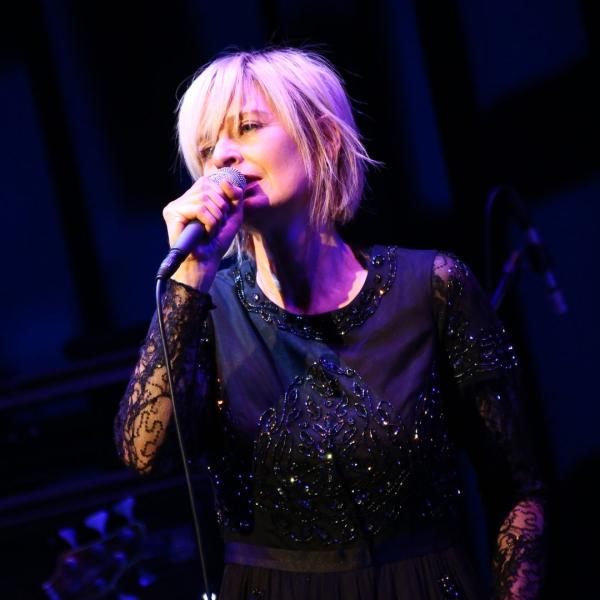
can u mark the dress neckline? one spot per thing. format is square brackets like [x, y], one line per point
[380, 262]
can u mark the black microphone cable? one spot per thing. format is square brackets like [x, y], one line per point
[193, 232]
[159, 291]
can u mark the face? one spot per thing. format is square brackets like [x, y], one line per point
[261, 149]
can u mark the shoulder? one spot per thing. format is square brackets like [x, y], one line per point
[437, 266]
[443, 274]
[448, 268]
[420, 274]
[407, 266]
[412, 259]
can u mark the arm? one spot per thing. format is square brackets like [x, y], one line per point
[141, 425]
[485, 370]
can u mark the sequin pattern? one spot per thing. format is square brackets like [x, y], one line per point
[334, 465]
[450, 588]
[472, 350]
[318, 327]
[230, 466]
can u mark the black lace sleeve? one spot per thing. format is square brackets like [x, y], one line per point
[485, 371]
[140, 427]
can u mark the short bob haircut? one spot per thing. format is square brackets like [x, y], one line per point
[308, 97]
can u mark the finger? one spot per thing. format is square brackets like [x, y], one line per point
[185, 207]
[224, 188]
[179, 213]
[211, 206]
[175, 221]
[213, 210]
[217, 198]
[232, 192]
[210, 222]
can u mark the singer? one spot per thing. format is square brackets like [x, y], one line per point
[328, 385]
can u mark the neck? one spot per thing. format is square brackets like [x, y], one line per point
[306, 271]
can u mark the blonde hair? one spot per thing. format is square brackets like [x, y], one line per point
[308, 97]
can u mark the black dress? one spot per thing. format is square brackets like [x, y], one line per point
[331, 438]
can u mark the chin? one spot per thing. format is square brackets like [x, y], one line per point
[252, 205]
[256, 210]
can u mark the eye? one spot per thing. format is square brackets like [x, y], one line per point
[206, 152]
[249, 126]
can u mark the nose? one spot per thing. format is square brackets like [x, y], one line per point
[226, 152]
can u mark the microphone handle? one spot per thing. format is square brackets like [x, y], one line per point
[194, 232]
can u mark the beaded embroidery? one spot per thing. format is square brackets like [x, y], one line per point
[471, 351]
[334, 465]
[319, 327]
[231, 474]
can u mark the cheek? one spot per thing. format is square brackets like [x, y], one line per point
[284, 165]
[283, 150]
[290, 164]
[292, 180]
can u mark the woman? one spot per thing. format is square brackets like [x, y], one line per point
[326, 384]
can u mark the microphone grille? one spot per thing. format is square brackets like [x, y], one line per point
[230, 174]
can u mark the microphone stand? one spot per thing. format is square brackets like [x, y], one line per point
[532, 252]
[509, 270]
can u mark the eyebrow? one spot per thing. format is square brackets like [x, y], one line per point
[246, 113]
[243, 114]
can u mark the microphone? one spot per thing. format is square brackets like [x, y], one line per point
[539, 258]
[194, 231]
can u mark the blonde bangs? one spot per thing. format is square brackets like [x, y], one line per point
[204, 107]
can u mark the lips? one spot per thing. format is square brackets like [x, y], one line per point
[251, 184]
[252, 189]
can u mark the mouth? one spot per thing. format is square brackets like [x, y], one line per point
[252, 182]
[250, 179]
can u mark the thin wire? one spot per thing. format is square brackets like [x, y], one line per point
[487, 236]
[516, 257]
[159, 285]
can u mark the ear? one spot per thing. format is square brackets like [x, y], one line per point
[331, 135]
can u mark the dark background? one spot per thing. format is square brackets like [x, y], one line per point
[455, 98]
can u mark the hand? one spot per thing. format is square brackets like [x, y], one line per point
[219, 207]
